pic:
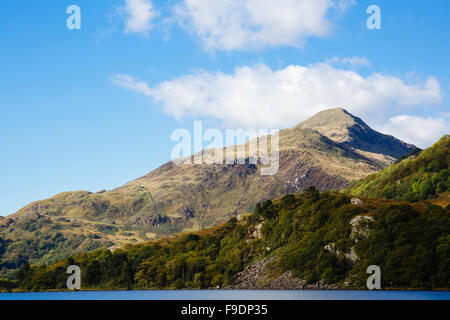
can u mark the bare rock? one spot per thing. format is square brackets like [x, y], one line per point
[360, 227]
[356, 201]
[257, 276]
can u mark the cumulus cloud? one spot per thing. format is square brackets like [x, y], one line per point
[254, 24]
[139, 16]
[259, 97]
[422, 131]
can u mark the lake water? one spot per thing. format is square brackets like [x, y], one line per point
[232, 295]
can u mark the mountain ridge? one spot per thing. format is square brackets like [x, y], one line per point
[353, 133]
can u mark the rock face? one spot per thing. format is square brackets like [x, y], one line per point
[149, 220]
[356, 201]
[360, 227]
[257, 232]
[360, 230]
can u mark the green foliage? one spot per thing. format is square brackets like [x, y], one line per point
[106, 229]
[7, 285]
[42, 247]
[410, 245]
[190, 261]
[412, 179]
[311, 192]
[413, 152]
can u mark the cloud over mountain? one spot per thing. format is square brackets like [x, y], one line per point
[257, 96]
[422, 130]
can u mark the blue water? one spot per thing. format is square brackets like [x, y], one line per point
[231, 295]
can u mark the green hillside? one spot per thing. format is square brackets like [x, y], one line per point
[314, 236]
[415, 178]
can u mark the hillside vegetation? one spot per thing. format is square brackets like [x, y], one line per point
[316, 236]
[415, 178]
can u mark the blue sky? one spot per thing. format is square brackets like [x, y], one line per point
[94, 108]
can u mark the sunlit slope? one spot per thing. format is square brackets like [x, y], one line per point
[418, 177]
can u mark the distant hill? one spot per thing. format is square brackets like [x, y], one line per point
[418, 177]
[329, 151]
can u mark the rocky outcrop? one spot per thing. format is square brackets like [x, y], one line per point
[350, 256]
[257, 233]
[258, 276]
[253, 276]
[153, 219]
[360, 230]
[356, 201]
[5, 222]
[360, 227]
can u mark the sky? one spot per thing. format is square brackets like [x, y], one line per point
[94, 108]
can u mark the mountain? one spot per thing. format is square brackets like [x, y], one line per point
[420, 176]
[329, 151]
[299, 241]
[351, 132]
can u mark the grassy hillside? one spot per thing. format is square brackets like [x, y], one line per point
[316, 236]
[415, 178]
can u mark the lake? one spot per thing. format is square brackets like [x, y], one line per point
[231, 295]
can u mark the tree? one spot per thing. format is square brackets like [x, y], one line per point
[23, 276]
[311, 192]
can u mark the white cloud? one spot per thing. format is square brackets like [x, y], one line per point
[139, 16]
[343, 5]
[128, 82]
[259, 97]
[254, 24]
[351, 62]
[422, 131]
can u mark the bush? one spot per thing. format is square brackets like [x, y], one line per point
[106, 229]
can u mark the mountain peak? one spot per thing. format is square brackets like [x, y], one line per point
[344, 128]
[333, 123]
[334, 113]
